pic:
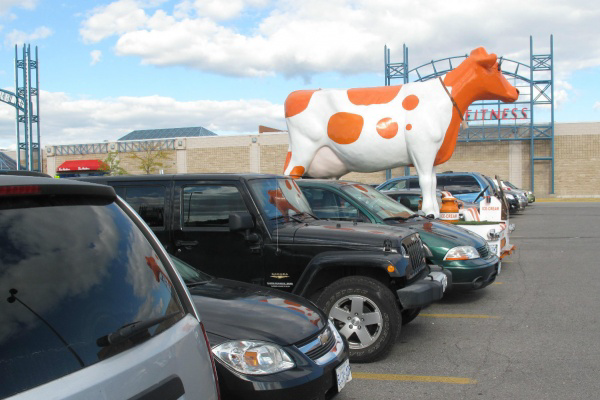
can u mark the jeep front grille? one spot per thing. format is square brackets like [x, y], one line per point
[414, 249]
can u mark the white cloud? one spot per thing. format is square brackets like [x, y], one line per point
[6, 5]
[305, 38]
[116, 18]
[67, 120]
[96, 56]
[597, 106]
[20, 37]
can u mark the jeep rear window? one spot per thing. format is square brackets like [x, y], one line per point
[148, 201]
[72, 271]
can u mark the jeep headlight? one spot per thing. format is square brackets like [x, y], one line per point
[253, 357]
[461, 253]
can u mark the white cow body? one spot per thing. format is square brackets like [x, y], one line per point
[370, 152]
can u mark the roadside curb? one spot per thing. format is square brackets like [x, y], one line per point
[569, 200]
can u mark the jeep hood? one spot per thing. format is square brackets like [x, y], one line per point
[350, 234]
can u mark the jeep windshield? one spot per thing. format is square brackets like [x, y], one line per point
[281, 200]
[385, 207]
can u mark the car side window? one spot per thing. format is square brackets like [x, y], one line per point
[210, 205]
[399, 184]
[413, 183]
[148, 202]
[328, 205]
[462, 184]
[442, 182]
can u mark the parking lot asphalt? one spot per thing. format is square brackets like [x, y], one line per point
[534, 334]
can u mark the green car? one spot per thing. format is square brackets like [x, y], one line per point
[464, 253]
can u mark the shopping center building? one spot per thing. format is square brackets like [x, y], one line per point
[576, 157]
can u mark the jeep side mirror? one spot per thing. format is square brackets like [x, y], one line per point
[240, 221]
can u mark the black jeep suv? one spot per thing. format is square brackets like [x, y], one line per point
[260, 229]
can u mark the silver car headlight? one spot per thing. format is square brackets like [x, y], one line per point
[461, 253]
[509, 196]
[253, 357]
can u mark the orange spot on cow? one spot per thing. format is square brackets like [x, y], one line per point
[345, 128]
[410, 102]
[297, 172]
[387, 128]
[375, 95]
[288, 158]
[297, 102]
[408, 127]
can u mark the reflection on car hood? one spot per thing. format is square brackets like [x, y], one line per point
[237, 310]
[348, 234]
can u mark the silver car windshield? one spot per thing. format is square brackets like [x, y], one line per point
[376, 202]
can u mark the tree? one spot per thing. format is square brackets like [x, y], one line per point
[150, 158]
[111, 164]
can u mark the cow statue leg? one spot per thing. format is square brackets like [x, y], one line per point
[300, 155]
[434, 190]
[423, 161]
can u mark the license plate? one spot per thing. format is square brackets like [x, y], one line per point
[494, 248]
[440, 277]
[343, 374]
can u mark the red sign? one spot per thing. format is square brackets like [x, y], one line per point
[80, 165]
[495, 114]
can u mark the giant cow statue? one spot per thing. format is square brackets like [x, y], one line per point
[335, 131]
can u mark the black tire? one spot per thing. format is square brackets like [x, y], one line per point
[371, 299]
[409, 315]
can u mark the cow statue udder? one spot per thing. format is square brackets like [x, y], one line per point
[335, 131]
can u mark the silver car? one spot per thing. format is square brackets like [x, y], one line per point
[92, 307]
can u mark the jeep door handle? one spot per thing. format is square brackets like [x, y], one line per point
[186, 243]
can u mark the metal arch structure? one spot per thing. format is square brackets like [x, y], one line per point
[535, 82]
[26, 102]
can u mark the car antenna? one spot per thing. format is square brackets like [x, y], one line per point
[277, 226]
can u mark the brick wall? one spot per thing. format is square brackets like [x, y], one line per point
[218, 159]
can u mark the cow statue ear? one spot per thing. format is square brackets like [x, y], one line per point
[482, 57]
[488, 61]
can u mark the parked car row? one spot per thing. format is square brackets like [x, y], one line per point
[260, 229]
[469, 187]
[279, 282]
[458, 250]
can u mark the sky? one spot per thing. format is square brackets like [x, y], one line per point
[109, 67]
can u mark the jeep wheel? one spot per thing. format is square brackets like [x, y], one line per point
[409, 315]
[365, 311]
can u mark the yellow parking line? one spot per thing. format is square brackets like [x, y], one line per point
[498, 283]
[413, 378]
[480, 316]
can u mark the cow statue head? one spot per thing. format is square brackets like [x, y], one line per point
[479, 77]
